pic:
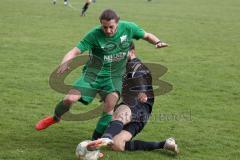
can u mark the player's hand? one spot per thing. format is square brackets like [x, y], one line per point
[142, 97]
[63, 68]
[161, 44]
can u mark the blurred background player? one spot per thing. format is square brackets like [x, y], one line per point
[131, 116]
[65, 2]
[86, 5]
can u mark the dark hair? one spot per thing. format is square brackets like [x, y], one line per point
[108, 15]
[132, 46]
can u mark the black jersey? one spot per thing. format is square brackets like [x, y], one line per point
[137, 79]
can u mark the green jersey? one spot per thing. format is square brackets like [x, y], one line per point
[108, 55]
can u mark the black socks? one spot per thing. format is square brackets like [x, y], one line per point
[113, 129]
[60, 109]
[96, 135]
[142, 145]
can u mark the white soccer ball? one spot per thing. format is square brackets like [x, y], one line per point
[83, 154]
[81, 149]
[92, 155]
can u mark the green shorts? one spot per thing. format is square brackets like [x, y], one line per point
[89, 87]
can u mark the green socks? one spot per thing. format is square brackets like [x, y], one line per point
[103, 122]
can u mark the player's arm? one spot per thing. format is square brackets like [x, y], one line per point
[142, 97]
[84, 45]
[71, 54]
[67, 59]
[151, 38]
[143, 88]
[143, 85]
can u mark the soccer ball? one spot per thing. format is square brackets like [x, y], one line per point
[81, 149]
[92, 155]
[83, 154]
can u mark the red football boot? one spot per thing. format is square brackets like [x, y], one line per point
[44, 123]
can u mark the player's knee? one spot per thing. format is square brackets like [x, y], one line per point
[119, 117]
[70, 99]
[110, 102]
[72, 96]
[123, 114]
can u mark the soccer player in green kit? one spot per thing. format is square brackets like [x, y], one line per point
[108, 45]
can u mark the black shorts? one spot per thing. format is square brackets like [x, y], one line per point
[140, 115]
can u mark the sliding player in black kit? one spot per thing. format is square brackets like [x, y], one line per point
[133, 113]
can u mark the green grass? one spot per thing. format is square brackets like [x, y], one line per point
[202, 61]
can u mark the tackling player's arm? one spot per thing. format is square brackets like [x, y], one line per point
[143, 88]
[142, 97]
[151, 38]
[143, 85]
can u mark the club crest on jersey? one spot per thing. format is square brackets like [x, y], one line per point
[123, 38]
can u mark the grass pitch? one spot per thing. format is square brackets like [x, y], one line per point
[201, 112]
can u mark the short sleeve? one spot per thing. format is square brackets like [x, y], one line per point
[138, 32]
[86, 43]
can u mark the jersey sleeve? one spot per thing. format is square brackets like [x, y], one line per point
[87, 42]
[138, 32]
[143, 79]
